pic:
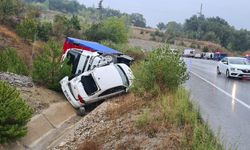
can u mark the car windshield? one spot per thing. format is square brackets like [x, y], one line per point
[123, 75]
[89, 84]
[239, 61]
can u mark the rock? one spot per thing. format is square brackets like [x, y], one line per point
[16, 80]
[62, 144]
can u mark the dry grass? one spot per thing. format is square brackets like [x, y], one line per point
[8, 33]
[124, 105]
[141, 33]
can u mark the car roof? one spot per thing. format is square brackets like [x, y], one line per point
[107, 77]
[93, 46]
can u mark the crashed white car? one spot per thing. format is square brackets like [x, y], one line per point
[234, 67]
[97, 84]
[83, 61]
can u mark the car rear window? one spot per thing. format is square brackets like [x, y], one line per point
[89, 84]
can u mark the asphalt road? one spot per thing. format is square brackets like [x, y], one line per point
[224, 103]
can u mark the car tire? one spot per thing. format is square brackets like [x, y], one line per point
[81, 111]
[110, 58]
[227, 74]
[218, 71]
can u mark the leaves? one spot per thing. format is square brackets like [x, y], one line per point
[14, 114]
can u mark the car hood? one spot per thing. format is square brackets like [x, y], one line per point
[240, 66]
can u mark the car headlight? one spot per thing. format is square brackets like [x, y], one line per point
[233, 69]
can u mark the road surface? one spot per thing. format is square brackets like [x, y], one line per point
[224, 103]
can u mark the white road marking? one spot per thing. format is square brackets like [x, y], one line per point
[223, 91]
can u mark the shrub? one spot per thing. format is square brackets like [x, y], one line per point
[11, 62]
[112, 29]
[14, 114]
[162, 70]
[28, 29]
[47, 68]
[44, 30]
[205, 49]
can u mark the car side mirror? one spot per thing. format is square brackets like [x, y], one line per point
[224, 62]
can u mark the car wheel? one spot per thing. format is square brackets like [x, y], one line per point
[110, 58]
[227, 74]
[81, 111]
[218, 71]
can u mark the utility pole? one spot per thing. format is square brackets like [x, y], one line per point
[201, 8]
[100, 7]
[200, 15]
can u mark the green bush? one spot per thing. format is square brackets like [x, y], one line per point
[11, 62]
[112, 29]
[47, 68]
[28, 29]
[14, 114]
[162, 70]
[44, 30]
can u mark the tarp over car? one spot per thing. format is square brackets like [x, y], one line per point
[87, 45]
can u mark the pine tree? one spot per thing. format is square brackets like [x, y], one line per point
[14, 114]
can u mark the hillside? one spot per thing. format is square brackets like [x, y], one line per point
[9, 38]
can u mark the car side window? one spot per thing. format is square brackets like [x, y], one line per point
[224, 60]
[113, 90]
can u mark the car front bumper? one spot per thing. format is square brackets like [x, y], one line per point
[239, 74]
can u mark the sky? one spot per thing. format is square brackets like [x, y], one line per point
[236, 12]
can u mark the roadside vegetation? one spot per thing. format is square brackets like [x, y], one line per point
[213, 29]
[159, 82]
[47, 68]
[11, 62]
[14, 114]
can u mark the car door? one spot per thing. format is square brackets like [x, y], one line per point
[224, 65]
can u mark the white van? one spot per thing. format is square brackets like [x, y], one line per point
[189, 52]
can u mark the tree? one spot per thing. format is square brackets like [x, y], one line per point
[138, 20]
[8, 9]
[161, 26]
[14, 114]
[47, 68]
[44, 31]
[113, 29]
[28, 29]
[63, 26]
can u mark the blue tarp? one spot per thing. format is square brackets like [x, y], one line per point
[94, 46]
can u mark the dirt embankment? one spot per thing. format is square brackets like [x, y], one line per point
[39, 98]
[113, 125]
[9, 39]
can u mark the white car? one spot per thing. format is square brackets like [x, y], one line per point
[97, 84]
[234, 67]
[83, 61]
[197, 55]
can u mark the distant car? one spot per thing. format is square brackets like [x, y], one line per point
[219, 56]
[247, 56]
[189, 52]
[208, 55]
[234, 67]
[197, 55]
[97, 84]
